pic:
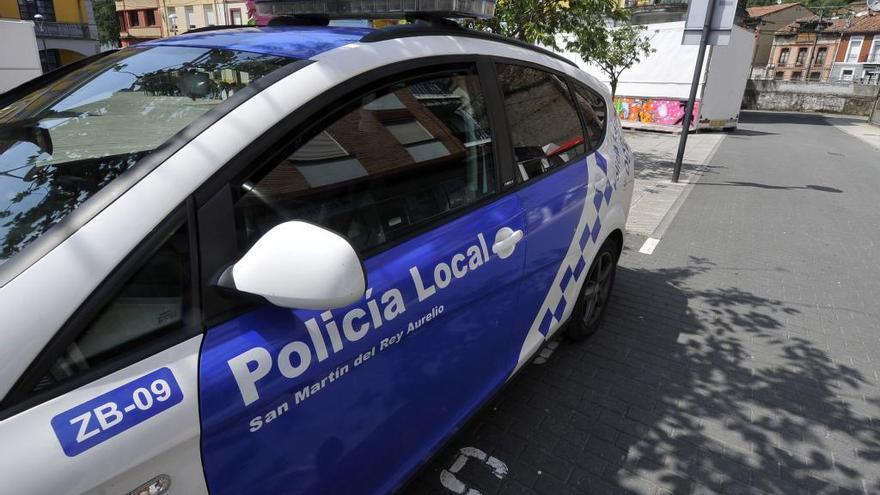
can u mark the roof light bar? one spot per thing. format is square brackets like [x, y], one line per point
[377, 9]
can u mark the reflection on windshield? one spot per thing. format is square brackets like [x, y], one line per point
[63, 142]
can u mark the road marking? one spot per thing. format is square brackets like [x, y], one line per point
[649, 245]
[453, 484]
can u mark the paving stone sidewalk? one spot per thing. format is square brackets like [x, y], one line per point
[655, 194]
[743, 356]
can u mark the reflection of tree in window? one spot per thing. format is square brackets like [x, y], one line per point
[397, 159]
[63, 142]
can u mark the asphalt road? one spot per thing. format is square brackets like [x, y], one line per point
[742, 356]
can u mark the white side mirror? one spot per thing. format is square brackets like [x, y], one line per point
[300, 265]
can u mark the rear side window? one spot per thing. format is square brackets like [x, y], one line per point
[544, 125]
[592, 107]
[386, 165]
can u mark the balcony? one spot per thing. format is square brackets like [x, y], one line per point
[136, 5]
[67, 30]
[636, 6]
[144, 32]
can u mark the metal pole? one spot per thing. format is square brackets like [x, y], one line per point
[695, 84]
[815, 44]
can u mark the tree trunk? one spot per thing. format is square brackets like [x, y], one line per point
[613, 83]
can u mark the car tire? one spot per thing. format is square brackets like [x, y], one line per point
[593, 299]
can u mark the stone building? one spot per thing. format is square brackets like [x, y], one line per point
[768, 19]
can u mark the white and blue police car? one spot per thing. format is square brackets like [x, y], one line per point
[291, 259]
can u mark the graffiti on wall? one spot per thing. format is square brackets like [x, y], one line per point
[654, 110]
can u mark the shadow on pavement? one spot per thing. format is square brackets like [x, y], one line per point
[812, 187]
[682, 389]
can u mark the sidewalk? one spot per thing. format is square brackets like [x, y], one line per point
[655, 194]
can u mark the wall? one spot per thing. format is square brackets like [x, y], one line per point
[19, 58]
[9, 9]
[658, 111]
[851, 99]
[70, 11]
[665, 74]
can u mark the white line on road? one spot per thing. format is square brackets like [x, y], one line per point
[649, 245]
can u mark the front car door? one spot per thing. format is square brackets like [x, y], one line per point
[352, 399]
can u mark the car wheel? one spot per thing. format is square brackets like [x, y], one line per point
[595, 293]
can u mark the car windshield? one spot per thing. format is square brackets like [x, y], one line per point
[64, 141]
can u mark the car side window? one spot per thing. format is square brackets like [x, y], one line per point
[544, 125]
[384, 166]
[592, 106]
[154, 303]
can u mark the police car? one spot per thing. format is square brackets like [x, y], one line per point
[290, 259]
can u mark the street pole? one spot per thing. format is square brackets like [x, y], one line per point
[812, 53]
[695, 84]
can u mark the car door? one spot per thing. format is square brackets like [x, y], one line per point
[350, 400]
[111, 404]
[557, 178]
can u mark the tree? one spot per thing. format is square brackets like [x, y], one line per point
[540, 21]
[107, 21]
[621, 48]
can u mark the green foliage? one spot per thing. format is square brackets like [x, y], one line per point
[613, 53]
[107, 22]
[539, 21]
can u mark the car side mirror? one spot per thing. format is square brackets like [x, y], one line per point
[299, 265]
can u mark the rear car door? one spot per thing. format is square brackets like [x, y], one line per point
[558, 175]
[351, 400]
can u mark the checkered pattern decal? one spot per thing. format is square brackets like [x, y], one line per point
[605, 175]
[564, 291]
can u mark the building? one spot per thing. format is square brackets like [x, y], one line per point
[65, 29]
[139, 20]
[804, 50]
[767, 20]
[844, 49]
[858, 54]
[184, 15]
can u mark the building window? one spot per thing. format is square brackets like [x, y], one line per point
[29, 8]
[821, 53]
[150, 17]
[133, 19]
[783, 56]
[779, 75]
[796, 75]
[190, 17]
[801, 56]
[855, 46]
[815, 76]
[846, 75]
[210, 17]
[235, 16]
[874, 56]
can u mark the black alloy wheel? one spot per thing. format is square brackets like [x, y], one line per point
[595, 293]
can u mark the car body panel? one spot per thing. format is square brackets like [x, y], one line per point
[426, 367]
[166, 442]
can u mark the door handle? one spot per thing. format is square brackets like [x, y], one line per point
[505, 241]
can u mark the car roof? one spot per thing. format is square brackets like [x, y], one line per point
[300, 42]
